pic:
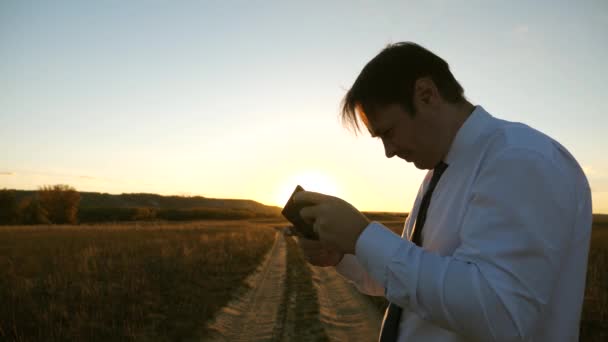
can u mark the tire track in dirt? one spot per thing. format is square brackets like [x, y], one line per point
[302, 323]
[345, 313]
[277, 306]
[254, 313]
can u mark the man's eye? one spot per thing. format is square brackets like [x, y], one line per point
[385, 134]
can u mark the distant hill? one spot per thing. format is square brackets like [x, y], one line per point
[95, 206]
[132, 200]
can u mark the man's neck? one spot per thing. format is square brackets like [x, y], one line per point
[463, 111]
[457, 115]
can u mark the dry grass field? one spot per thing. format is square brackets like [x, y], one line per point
[146, 282]
[594, 320]
[165, 281]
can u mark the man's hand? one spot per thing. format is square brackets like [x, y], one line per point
[336, 221]
[318, 254]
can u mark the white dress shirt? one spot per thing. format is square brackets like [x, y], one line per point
[504, 246]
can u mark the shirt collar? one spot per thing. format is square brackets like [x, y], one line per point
[468, 133]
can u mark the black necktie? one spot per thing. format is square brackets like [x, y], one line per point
[390, 327]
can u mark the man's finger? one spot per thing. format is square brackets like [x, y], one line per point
[317, 227]
[310, 197]
[310, 213]
[309, 244]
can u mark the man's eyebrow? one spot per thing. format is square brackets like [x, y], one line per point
[380, 131]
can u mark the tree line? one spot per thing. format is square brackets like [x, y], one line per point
[50, 204]
[62, 204]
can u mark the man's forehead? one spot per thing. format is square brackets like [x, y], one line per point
[374, 123]
[372, 132]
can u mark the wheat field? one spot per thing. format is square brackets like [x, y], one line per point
[163, 281]
[156, 282]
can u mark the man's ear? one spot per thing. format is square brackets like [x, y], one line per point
[425, 91]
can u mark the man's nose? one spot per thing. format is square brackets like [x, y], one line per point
[389, 149]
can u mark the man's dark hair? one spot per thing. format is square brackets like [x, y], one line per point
[389, 78]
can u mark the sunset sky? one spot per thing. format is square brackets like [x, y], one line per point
[240, 99]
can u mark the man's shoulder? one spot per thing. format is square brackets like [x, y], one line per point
[518, 141]
[517, 137]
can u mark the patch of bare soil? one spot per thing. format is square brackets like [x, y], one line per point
[254, 312]
[288, 300]
[345, 313]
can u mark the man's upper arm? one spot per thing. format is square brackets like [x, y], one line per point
[516, 229]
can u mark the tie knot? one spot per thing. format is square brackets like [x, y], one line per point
[438, 170]
[441, 166]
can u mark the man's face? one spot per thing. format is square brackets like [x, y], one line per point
[410, 137]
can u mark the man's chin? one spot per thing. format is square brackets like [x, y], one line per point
[420, 166]
[415, 162]
[405, 158]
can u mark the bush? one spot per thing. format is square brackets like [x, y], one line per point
[205, 213]
[31, 212]
[115, 214]
[144, 214]
[60, 202]
[8, 207]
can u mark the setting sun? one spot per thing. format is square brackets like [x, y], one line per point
[311, 180]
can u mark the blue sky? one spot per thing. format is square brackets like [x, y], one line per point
[239, 99]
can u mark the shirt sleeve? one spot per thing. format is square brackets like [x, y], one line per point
[351, 270]
[498, 282]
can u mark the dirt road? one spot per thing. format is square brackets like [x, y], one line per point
[345, 313]
[254, 312]
[265, 312]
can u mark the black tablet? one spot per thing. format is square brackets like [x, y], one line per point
[291, 211]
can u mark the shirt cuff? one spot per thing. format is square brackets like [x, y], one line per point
[375, 249]
[348, 266]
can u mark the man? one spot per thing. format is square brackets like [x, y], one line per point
[495, 247]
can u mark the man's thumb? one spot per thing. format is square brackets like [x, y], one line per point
[309, 213]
